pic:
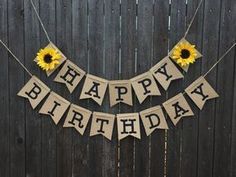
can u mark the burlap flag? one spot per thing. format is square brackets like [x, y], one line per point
[78, 118]
[177, 107]
[35, 91]
[94, 88]
[61, 60]
[165, 71]
[128, 125]
[55, 106]
[200, 91]
[70, 75]
[145, 85]
[153, 118]
[120, 91]
[186, 54]
[102, 124]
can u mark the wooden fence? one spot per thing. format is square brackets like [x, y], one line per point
[117, 39]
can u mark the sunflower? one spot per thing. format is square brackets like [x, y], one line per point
[48, 58]
[184, 54]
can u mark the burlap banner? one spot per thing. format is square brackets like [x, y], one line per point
[55, 106]
[177, 107]
[70, 75]
[200, 91]
[128, 125]
[165, 71]
[102, 124]
[77, 118]
[153, 118]
[120, 91]
[35, 91]
[144, 85]
[94, 88]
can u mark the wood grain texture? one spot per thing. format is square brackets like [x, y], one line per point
[117, 39]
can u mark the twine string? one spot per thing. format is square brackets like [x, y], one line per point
[193, 18]
[17, 59]
[40, 21]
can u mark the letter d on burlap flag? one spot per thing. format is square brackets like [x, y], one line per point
[34, 90]
[200, 91]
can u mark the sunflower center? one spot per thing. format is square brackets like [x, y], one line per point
[185, 53]
[47, 58]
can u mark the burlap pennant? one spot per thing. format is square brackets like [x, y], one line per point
[200, 91]
[102, 124]
[177, 107]
[61, 60]
[94, 88]
[78, 118]
[183, 40]
[153, 118]
[55, 106]
[120, 91]
[144, 85]
[165, 71]
[128, 125]
[35, 91]
[70, 75]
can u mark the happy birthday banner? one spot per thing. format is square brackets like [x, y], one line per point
[128, 124]
[144, 85]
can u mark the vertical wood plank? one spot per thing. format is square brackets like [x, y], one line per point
[225, 87]
[16, 78]
[160, 50]
[64, 41]
[233, 137]
[111, 46]
[128, 42]
[177, 29]
[96, 61]
[80, 152]
[207, 115]
[4, 94]
[190, 126]
[144, 58]
[33, 119]
[49, 163]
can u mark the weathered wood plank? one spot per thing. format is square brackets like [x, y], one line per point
[80, 152]
[96, 61]
[16, 81]
[190, 126]
[64, 42]
[160, 50]
[33, 120]
[4, 95]
[49, 163]
[177, 29]
[144, 58]
[111, 46]
[225, 87]
[128, 43]
[207, 115]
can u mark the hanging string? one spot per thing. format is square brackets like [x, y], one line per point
[219, 60]
[193, 18]
[17, 59]
[161, 106]
[40, 21]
